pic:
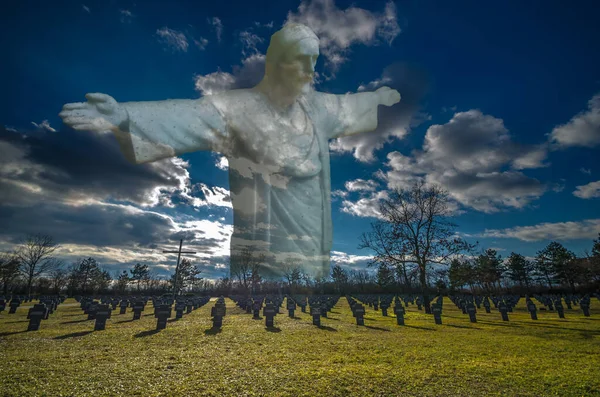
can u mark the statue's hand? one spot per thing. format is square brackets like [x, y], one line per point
[100, 113]
[388, 96]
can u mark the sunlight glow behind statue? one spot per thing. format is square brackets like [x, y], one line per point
[275, 136]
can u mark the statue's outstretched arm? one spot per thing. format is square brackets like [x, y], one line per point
[154, 130]
[355, 113]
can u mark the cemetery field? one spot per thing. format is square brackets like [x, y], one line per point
[522, 357]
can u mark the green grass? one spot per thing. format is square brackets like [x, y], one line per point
[548, 357]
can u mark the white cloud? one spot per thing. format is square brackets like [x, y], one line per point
[582, 130]
[339, 29]
[367, 207]
[44, 125]
[533, 157]
[222, 163]
[263, 25]
[250, 41]
[349, 260]
[361, 185]
[86, 8]
[591, 190]
[339, 193]
[586, 229]
[173, 39]
[216, 23]
[213, 196]
[245, 76]
[468, 157]
[394, 123]
[126, 16]
[201, 43]
[214, 82]
[585, 171]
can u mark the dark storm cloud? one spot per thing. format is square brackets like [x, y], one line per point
[75, 165]
[393, 122]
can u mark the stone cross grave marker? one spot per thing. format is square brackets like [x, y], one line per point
[138, 308]
[103, 313]
[486, 305]
[503, 309]
[14, 305]
[217, 313]
[256, 309]
[399, 312]
[36, 315]
[315, 312]
[560, 309]
[584, 304]
[178, 252]
[91, 310]
[472, 311]
[269, 313]
[437, 313]
[359, 314]
[291, 306]
[532, 310]
[162, 314]
[179, 309]
[123, 306]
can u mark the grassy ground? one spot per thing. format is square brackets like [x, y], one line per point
[548, 357]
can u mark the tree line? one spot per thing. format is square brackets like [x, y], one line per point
[416, 250]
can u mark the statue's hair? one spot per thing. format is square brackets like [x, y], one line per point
[281, 40]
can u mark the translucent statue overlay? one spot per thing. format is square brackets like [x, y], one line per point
[275, 137]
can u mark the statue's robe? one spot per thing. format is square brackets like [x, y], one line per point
[279, 177]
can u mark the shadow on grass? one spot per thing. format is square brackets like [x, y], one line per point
[74, 315]
[125, 321]
[326, 328]
[171, 320]
[501, 323]
[257, 318]
[146, 333]
[462, 326]
[377, 328]
[212, 331]
[73, 335]
[16, 322]
[273, 329]
[417, 327]
[11, 333]
[334, 319]
[76, 321]
[558, 328]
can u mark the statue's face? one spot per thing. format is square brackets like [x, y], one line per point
[296, 69]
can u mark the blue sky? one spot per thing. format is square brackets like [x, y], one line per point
[500, 105]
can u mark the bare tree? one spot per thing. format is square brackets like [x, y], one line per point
[340, 278]
[415, 230]
[9, 269]
[292, 272]
[138, 274]
[361, 278]
[244, 265]
[35, 257]
[59, 278]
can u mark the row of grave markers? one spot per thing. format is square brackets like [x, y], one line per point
[319, 305]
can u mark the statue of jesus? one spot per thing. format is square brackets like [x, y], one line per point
[275, 136]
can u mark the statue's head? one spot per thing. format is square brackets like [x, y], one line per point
[291, 58]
